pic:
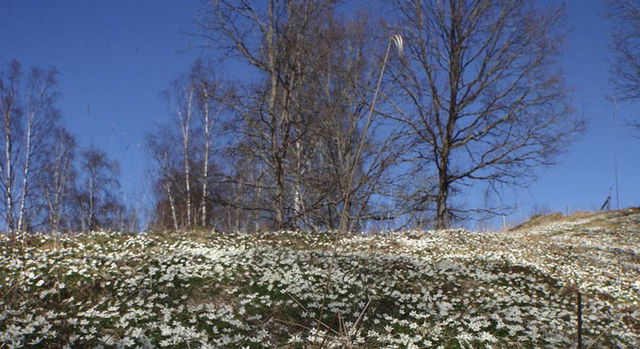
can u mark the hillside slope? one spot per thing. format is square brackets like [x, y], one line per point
[447, 289]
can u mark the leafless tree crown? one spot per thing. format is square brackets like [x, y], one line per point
[625, 65]
[482, 97]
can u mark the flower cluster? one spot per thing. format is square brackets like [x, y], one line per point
[440, 289]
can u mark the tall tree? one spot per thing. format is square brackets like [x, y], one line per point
[57, 182]
[209, 95]
[96, 196]
[185, 190]
[298, 124]
[165, 176]
[206, 91]
[343, 162]
[182, 98]
[29, 118]
[9, 89]
[483, 99]
[275, 39]
[625, 66]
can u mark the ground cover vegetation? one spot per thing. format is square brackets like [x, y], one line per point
[417, 289]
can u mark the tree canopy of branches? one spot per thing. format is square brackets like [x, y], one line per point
[98, 205]
[28, 118]
[58, 182]
[297, 125]
[297, 141]
[186, 178]
[39, 171]
[482, 98]
[625, 66]
[478, 99]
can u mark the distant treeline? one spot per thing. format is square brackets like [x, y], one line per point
[340, 120]
[350, 120]
[48, 183]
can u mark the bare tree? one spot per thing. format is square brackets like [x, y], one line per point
[276, 39]
[164, 168]
[29, 117]
[209, 93]
[41, 117]
[625, 66]
[96, 195]
[57, 183]
[182, 97]
[343, 162]
[206, 91]
[299, 123]
[185, 191]
[482, 98]
[38, 174]
[9, 89]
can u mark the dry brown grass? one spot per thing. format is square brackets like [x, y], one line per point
[556, 217]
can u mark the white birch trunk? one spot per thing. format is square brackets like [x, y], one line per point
[25, 172]
[173, 207]
[8, 180]
[185, 121]
[205, 171]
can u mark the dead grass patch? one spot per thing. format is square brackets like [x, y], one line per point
[605, 220]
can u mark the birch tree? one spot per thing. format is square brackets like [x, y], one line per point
[96, 196]
[29, 117]
[209, 93]
[9, 89]
[343, 162]
[41, 119]
[185, 190]
[299, 120]
[57, 183]
[182, 98]
[162, 150]
[275, 39]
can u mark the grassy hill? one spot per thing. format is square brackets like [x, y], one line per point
[447, 289]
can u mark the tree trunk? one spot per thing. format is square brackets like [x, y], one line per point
[9, 173]
[444, 180]
[279, 196]
[185, 122]
[205, 171]
[275, 124]
[25, 172]
[90, 221]
[442, 196]
[173, 207]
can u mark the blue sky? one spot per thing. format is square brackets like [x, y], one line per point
[115, 57]
[583, 179]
